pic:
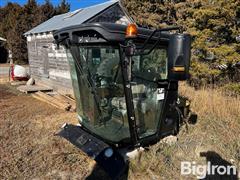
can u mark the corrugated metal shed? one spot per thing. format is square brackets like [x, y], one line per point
[72, 18]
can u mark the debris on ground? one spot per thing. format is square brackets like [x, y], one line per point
[30, 82]
[56, 100]
[34, 88]
[170, 140]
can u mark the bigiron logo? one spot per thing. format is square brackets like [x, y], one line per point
[202, 171]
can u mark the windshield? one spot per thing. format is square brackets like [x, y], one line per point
[99, 93]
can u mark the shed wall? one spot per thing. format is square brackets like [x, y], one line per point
[49, 65]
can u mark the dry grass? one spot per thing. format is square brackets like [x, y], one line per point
[217, 130]
[213, 102]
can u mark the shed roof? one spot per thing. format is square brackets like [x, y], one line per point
[71, 18]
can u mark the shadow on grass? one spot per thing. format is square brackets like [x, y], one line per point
[221, 167]
[99, 174]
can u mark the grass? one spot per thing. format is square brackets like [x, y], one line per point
[232, 89]
[217, 132]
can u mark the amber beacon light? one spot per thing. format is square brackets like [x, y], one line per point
[131, 31]
[179, 69]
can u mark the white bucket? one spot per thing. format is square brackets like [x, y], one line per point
[20, 71]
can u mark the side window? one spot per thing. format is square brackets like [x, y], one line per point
[136, 63]
[96, 56]
[153, 65]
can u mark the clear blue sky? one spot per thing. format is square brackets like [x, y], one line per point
[75, 4]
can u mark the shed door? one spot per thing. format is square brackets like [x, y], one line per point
[45, 63]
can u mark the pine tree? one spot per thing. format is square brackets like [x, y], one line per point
[46, 11]
[213, 24]
[16, 20]
[64, 7]
[9, 28]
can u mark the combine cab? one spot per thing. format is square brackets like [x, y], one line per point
[125, 82]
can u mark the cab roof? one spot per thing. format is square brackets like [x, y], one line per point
[110, 32]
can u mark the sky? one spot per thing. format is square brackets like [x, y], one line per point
[75, 4]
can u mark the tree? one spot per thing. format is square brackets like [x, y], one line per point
[9, 27]
[46, 11]
[16, 20]
[213, 24]
[64, 7]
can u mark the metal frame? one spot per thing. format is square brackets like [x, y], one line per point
[125, 65]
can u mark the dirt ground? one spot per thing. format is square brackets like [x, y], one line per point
[29, 147]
